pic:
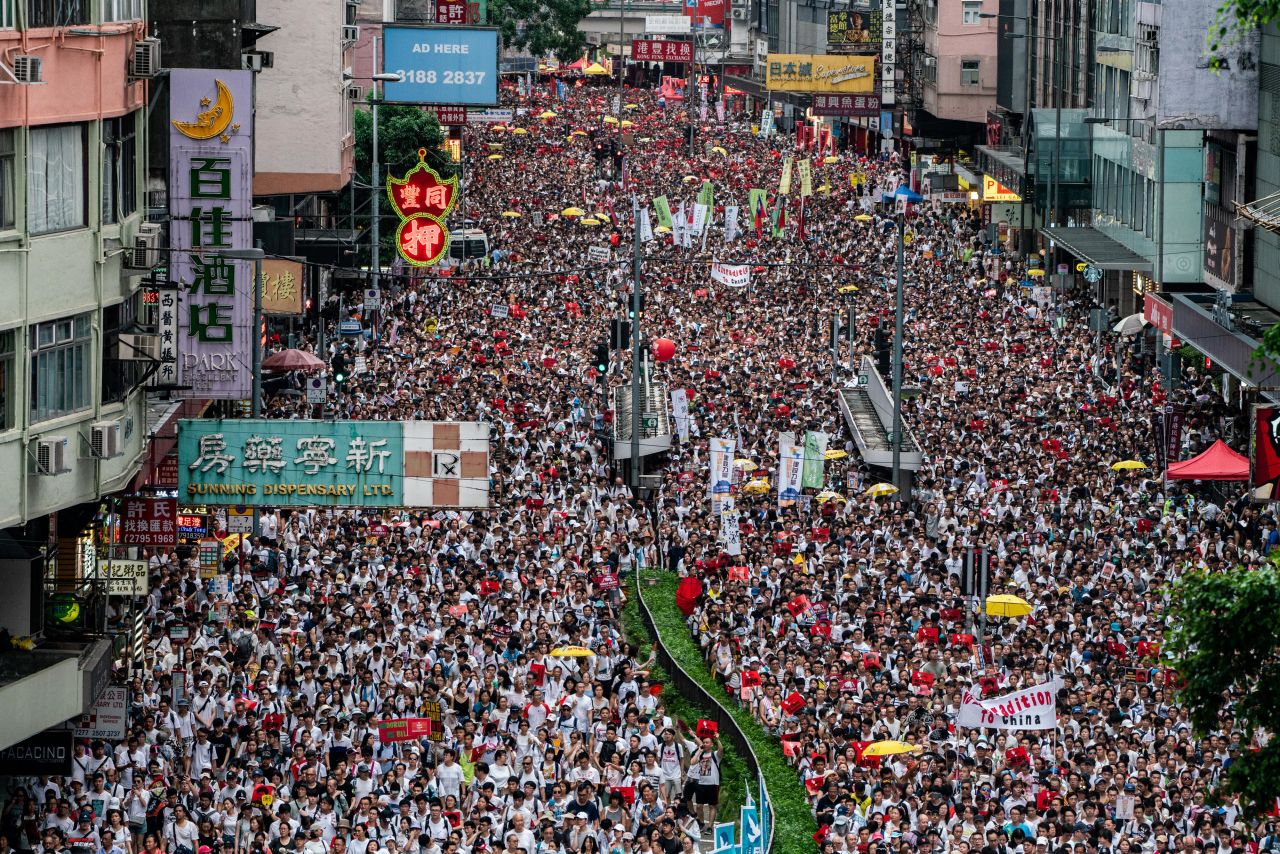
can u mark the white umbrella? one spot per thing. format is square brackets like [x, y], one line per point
[1130, 325]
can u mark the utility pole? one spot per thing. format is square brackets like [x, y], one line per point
[375, 176]
[635, 348]
[897, 360]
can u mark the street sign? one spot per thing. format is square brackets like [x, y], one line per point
[648, 422]
[317, 390]
[372, 299]
[350, 327]
[863, 379]
[239, 520]
[450, 65]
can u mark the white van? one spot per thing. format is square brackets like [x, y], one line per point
[471, 241]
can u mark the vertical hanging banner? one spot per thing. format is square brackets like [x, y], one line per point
[730, 223]
[790, 467]
[815, 447]
[784, 183]
[806, 178]
[210, 208]
[730, 532]
[646, 227]
[680, 412]
[888, 56]
[663, 207]
[721, 481]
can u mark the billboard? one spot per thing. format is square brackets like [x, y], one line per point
[652, 50]
[1193, 95]
[674, 25]
[846, 105]
[1265, 452]
[333, 463]
[281, 286]
[210, 206]
[854, 30]
[1219, 246]
[805, 72]
[441, 65]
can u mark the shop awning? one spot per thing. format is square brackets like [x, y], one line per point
[1092, 246]
[1219, 462]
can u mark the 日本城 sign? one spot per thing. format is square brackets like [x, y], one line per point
[805, 72]
[423, 201]
[441, 65]
[652, 50]
[210, 201]
[849, 106]
[334, 463]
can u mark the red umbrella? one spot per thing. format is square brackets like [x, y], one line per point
[291, 360]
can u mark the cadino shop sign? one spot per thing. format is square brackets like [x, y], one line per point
[652, 50]
[846, 105]
[45, 753]
[805, 72]
[333, 463]
[422, 201]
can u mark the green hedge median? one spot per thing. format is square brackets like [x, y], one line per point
[793, 820]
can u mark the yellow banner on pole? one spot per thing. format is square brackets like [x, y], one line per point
[806, 179]
[784, 185]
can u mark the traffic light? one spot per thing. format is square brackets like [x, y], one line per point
[883, 363]
[619, 333]
[339, 366]
[601, 360]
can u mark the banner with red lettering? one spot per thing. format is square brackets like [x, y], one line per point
[1030, 708]
[406, 729]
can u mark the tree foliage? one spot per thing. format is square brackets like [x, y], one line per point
[1239, 16]
[542, 27]
[1224, 642]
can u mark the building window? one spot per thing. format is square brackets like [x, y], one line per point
[122, 10]
[57, 13]
[119, 375]
[8, 14]
[61, 367]
[971, 10]
[8, 353]
[119, 168]
[56, 193]
[8, 157]
[969, 72]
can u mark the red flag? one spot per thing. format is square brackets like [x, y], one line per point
[800, 220]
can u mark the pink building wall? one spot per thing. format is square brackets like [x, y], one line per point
[950, 40]
[86, 75]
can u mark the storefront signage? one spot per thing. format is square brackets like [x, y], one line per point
[334, 463]
[450, 115]
[994, 191]
[852, 31]
[124, 577]
[422, 201]
[805, 72]
[848, 106]
[107, 717]
[148, 522]
[673, 25]
[281, 286]
[652, 50]
[210, 201]
[43, 754]
[889, 57]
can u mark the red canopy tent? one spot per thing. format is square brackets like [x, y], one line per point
[1219, 462]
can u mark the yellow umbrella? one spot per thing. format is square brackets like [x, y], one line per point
[880, 489]
[1006, 605]
[662, 229]
[572, 212]
[758, 486]
[830, 158]
[1128, 465]
[495, 145]
[603, 217]
[863, 218]
[519, 131]
[827, 495]
[824, 188]
[495, 156]
[610, 120]
[546, 114]
[890, 748]
[848, 289]
[589, 221]
[689, 178]
[572, 652]
[835, 454]
[627, 123]
[1036, 272]
[577, 133]
[720, 151]
[499, 128]
[512, 214]
[744, 463]
[630, 106]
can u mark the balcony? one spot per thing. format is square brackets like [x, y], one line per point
[43, 687]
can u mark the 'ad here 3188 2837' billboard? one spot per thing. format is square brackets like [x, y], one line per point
[441, 65]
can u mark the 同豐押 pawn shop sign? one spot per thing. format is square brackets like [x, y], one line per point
[333, 463]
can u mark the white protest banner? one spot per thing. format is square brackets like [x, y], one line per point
[730, 533]
[680, 412]
[699, 218]
[721, 481]
[646, 227]
[815, 449]
[730, 223]
[732, 275]
[598, 253]
[790, 466]
[1030, 708]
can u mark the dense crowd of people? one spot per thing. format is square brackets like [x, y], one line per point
[260, 734]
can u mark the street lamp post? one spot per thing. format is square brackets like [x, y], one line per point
[375, 168]
[897, 354]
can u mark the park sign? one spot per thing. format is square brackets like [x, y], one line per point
[806, 72]
[333, 463]
[441, 65]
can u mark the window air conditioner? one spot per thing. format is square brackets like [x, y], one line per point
[28, 69]
[146, 58]
[104, 441]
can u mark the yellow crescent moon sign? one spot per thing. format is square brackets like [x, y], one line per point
[213, 121]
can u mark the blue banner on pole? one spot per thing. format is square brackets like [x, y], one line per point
[752, 835]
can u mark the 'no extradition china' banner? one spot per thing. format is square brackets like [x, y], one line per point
[1030, 708]
[206, 338]
[333, 463]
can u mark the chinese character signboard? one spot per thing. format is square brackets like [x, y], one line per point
[210, 199]
[281, 286]
[854, 31]
[846, 105]
[652, 50]
[889, 57]
[450, 115]
[805, 72]
[423, 201]
[451, 11]
[148, 521]
[334, 463]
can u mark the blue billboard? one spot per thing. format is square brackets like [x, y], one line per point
[441, 65]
